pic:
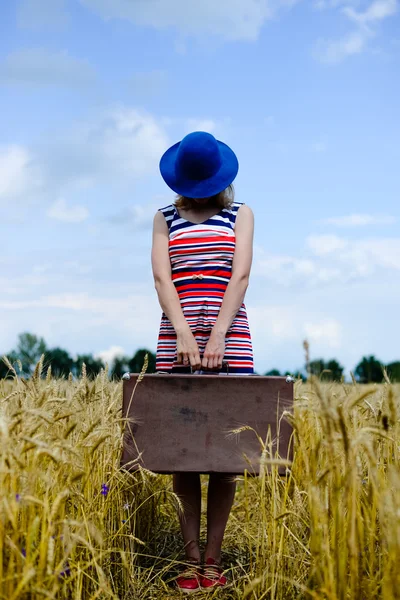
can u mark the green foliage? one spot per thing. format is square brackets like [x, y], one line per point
[136, 363]
[93, 365]
[123, 364]
[393, 370]
[5, 371]
[276, 373]
[60, 361]
[329, 370]
[297, 375]
[120, 366]
[369, 370]
[29, 349]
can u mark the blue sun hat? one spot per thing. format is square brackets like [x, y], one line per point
[199, 166]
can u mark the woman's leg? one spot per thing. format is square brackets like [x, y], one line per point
[221, 493]
[187, 487]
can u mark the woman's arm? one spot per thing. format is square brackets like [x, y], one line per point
[187, 349]
[236, 289]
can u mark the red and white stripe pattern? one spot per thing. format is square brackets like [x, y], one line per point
[201, 261]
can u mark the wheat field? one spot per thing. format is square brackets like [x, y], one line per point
[73, 525]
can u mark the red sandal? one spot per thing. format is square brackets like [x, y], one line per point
[212, 575]
[188, 581]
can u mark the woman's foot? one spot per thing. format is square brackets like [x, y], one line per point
[188, 580]
[212, 575]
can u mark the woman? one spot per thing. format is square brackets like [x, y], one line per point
[201, 258]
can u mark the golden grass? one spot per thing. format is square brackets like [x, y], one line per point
[73, 525]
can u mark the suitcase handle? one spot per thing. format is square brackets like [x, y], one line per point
[225, 365]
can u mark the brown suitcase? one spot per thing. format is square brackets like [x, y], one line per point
[182, 423]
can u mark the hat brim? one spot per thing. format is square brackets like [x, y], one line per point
[191, 188]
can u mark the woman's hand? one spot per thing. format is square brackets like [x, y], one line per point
[187, 349]
[214, 352]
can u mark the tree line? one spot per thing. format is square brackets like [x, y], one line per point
[368, 370]
[30, 348]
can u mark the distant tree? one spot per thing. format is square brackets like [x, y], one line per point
[329, 370]
[136, 363]
[393, 370]
[297, 375]
[93, 365]
[29, 349]
[369, 370]
[120, 366]
[60, 361]
[273, 373]
[4, 370]
[316, 366]
[336, 370]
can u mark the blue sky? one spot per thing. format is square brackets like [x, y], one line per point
[305, 92]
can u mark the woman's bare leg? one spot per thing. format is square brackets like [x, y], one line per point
[187, 487]
[221, 493]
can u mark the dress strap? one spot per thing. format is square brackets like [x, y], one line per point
[169, 213]
[234, 211]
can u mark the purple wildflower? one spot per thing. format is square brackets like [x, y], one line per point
[23, 552]
[104, 489]
[67, 570]
[17, 497]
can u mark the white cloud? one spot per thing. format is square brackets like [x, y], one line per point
[18, 285]
[275, 329]
[18, 174]
[277, 321]
[378, 10]
[84, 302]
[359, 220]
[109, 356]
[334, 51]
[325, 244]
[60, 211]
[113, 147]
[327, 333]
[124, 314]
[288, 270]
[130, 140]
[39, 67]
[228, 19]
[358, 258]
[136, 217]
[121, 142]
[328, 4]
[333, 260]
[183, 126]
[354, 42]
[37, 14]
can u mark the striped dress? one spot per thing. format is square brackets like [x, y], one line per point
[201, 261]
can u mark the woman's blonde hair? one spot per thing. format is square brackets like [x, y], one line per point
[222, 200]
